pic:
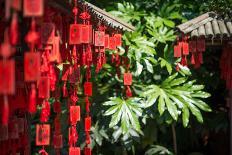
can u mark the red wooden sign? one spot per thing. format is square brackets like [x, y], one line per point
[42, 134]
[58, 141]
[31, 66]
[88, 151]
[44, 87]
[87, 124]
[74, 34]
[112, 43]
[47, 33]
[16, 4]
[118, 40]
[127, 79]
[177, 51]
[74, 151]
[86, 34]
[192, 46]
[57, 107]
[75, 114]
[99, 38]
[185, 48]
[201, 45]
[107, 40]
[7, 78]
[88, 88]
[55, 52]
[33, 8]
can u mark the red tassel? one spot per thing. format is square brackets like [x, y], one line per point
[5, 116]
[65, 91]
[32, 100]
[14, 30]
[193, 59]
[128, 92]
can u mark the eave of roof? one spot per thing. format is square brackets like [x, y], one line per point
[100, 14]
[208, 25]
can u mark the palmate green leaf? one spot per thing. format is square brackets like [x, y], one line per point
[177, 96]
[125, 114]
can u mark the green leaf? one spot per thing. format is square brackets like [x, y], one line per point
[149, 66]
[161, 105]
[139, 69]
[185, 116]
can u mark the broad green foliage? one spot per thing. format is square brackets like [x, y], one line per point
[125, 114]
[151, 50]
[177, 96]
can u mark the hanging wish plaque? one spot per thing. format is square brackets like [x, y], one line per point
[31, 66]
[33, 8]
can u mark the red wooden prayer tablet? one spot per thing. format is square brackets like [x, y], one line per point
[99, 38]
[127, 79]
[87, 124]
[192, 46]
[107, 40]
[201, 45]
[86, 34]
[7, 78]
[185, 48]
[58, 141]
[118, 39]
[47, 33]
[33, 8]
[44, 87]
[31, 66]
[74, 114]
[88, 88]
[75, 34]
[112, 43]
[74, 151]
[42, 134]
[88, 151]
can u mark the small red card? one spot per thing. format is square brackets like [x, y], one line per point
[74, 151]
[107, 40]
[118, 40]
[55, 52]
[127, 79]
[33, 8]
[57, 125]
[31, 66]
[16, 4]
[57, 107]
[177, 51]
[87, 124]
[88, 88]
[185, 48]
[42, 134]
[7, 78]
[86, 34]
[99, 39]
[75, 114]
[47, 33]
[201, 45]
[192, 46]
[58, 141]
[88, 151]
[112, 43]
[75, 34]
[44, 87]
